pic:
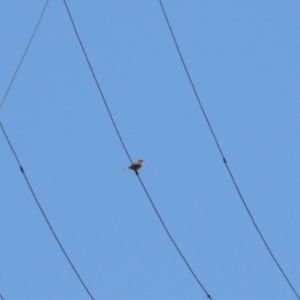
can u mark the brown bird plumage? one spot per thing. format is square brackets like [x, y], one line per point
[135, 166]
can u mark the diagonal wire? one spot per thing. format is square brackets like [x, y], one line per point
[172, 240]
[17, 159]
[24, 54]
[125, 149]
[2, 297]
[96, 81]
[43, 212]
[222, 154]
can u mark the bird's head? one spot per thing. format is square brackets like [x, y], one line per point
[141, 160]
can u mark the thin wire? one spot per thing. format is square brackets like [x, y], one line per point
[172, 239]
[21, 168]
[123, 144]
[25, 52]
[43, 212]
[1, 297]
[221, 152]
[96, 81]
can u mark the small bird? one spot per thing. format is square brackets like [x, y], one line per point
[135, 166]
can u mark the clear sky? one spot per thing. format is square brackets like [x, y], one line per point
[244, 60]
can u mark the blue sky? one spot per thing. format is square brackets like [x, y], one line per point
[244, 60]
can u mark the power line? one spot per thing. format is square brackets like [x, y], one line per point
[19, 163]
[25, 52]
[43, 212]
[125, 149]
[222, 154]
[1, 297]
[97, 83]
[172, 239]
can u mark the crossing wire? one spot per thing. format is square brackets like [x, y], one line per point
[24, 53]
[126, 151]
[22, 169]
[221, 152]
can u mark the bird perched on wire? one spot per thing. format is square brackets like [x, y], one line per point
[135, 166]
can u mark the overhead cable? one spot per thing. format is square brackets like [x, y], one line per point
[19, 163]
[126, 151]
[222, 154]
[43, 212]
[24, 53]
